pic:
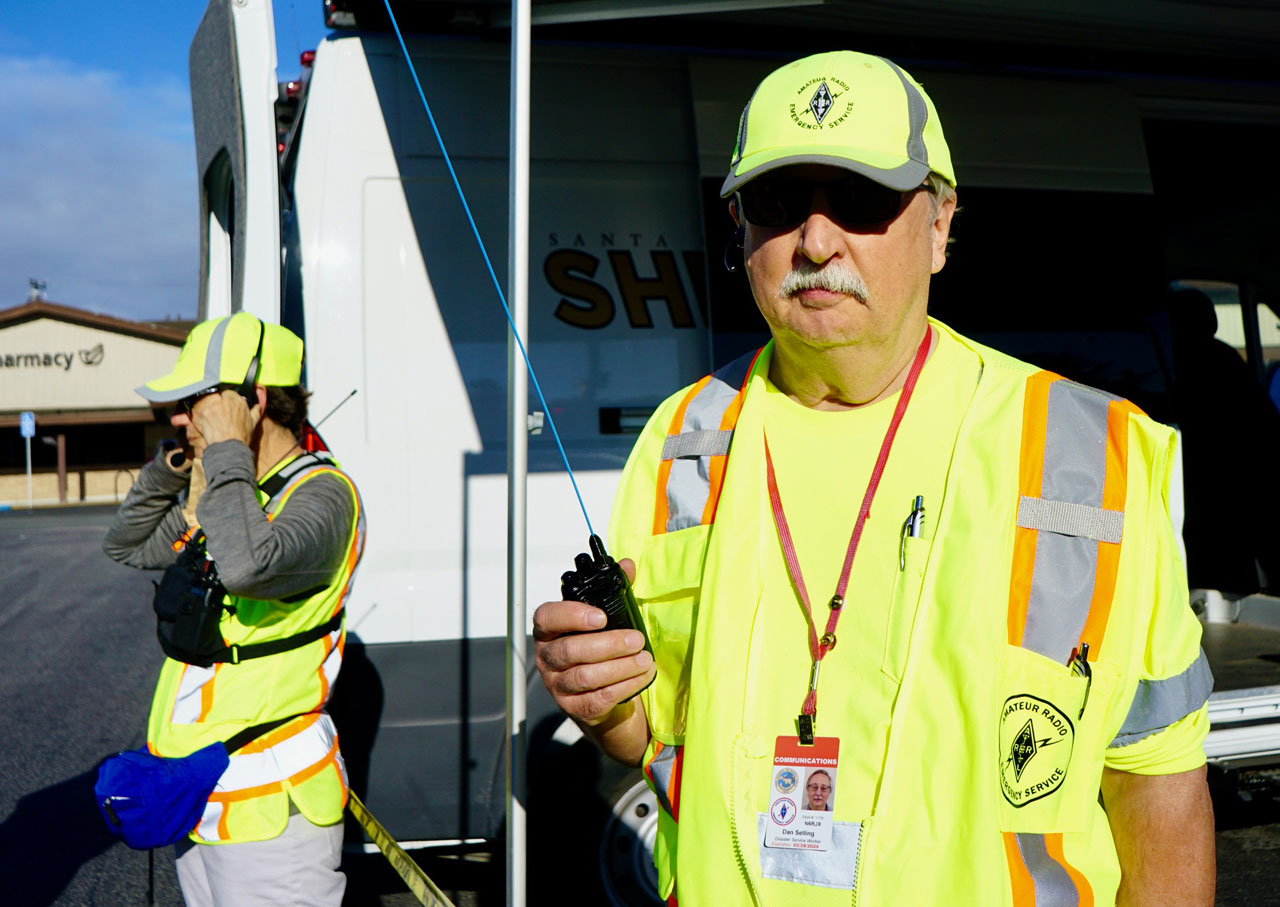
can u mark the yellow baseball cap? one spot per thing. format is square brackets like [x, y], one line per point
[846, 109]
[230, 350]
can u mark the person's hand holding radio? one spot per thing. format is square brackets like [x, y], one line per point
[176, 453]
[593, 673]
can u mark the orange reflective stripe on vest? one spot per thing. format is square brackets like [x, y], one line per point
[1041, 875]
[288, 756]
[691, 471]
[1071, 487]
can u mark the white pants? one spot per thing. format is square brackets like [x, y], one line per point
[298, 868]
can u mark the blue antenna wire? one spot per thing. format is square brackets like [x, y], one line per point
[487, 263]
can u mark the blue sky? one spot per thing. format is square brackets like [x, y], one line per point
[97, 161]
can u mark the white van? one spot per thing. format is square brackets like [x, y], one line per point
[350, 233]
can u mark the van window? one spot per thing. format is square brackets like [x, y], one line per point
[1232, 330]
[1230, 432]
[219, 194]
[1226, 305]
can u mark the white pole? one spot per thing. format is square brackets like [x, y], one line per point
[517, 451]
[30, 504]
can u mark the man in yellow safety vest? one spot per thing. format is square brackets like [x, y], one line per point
[245, 498]
[943, 577]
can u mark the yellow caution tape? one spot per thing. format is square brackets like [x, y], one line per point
[420, 885]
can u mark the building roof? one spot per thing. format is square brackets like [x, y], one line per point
[172, 332]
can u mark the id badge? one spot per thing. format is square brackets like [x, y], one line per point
[802, 794]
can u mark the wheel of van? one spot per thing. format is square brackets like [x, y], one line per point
[626, 849]
[592, 824]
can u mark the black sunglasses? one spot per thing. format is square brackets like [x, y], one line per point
[855, 201]
[186, 404]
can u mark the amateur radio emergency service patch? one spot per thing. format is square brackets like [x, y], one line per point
[820, 103]
[1036, 738]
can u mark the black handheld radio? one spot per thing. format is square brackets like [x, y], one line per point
[600, 581]
[189, 602]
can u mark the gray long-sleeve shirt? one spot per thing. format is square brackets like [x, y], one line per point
[298, 550]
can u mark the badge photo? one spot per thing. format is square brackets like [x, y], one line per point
[820, 790]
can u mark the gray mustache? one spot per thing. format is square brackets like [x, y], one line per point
[834, 278]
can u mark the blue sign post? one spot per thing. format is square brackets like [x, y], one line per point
[27, 428]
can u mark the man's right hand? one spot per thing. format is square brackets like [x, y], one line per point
[592, 674]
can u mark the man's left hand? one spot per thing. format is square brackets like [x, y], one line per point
[225, 416]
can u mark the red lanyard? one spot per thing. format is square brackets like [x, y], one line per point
[818, 648]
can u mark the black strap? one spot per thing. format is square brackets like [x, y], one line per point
[253, 733]
[237, 654]
[255, 368]
[275, 484]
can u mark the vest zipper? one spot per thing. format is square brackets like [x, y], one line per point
[857, 861]
[734, 812]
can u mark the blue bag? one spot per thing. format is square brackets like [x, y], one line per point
[151, 801]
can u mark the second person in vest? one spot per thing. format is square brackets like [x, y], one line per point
[245, 490]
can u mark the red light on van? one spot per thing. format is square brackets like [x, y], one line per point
[292, 89]
[308, 57]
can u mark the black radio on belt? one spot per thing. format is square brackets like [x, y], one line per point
[600, 581]
[189, 605]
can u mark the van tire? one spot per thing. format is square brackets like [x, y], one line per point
[625, 861]
[591, 823]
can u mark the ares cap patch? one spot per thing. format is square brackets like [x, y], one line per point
[1036, 738]
[845, 109]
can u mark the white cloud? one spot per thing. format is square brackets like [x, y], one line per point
[97, 189]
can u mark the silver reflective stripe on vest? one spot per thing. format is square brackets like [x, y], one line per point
[699, 439]
[1054, 887]
[662, 767]
[1066, 564]
[836, 867]
[1159, 703]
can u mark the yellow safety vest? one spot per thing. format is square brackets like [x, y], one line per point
[1056, 528]
[299, 761]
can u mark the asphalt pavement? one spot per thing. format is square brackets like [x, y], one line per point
[77, 666]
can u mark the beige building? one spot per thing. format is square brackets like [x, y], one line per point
[76, 371]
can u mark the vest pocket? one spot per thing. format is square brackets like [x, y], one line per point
[836, 867]
[667, 585]
[1050, 748]
[902, 607]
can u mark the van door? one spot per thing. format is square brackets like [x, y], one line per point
[233, 94]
